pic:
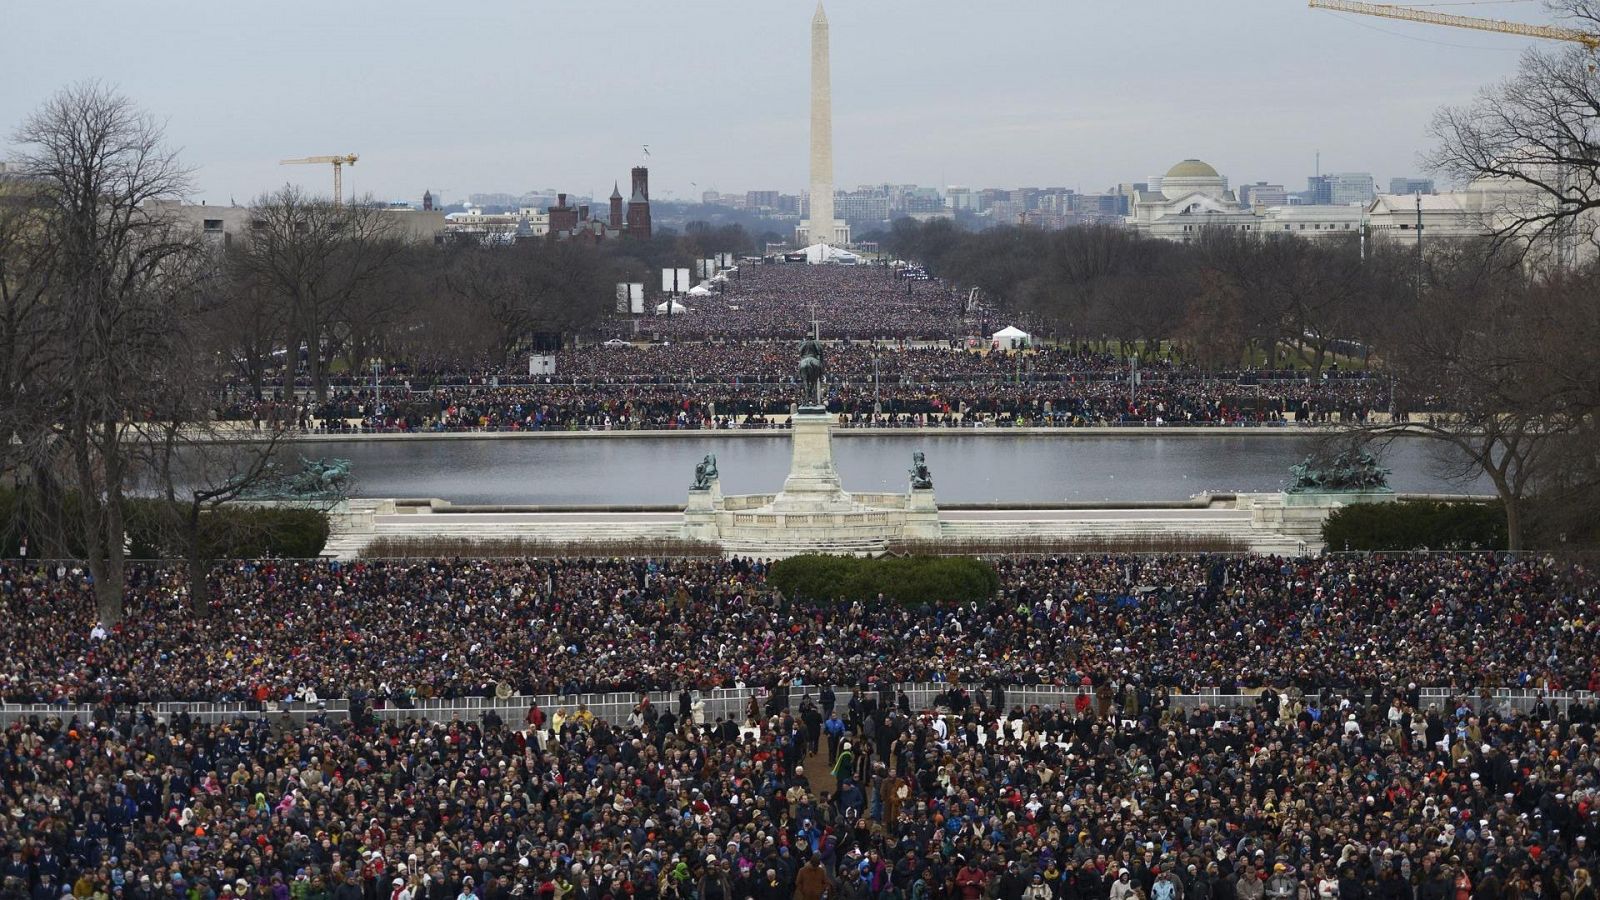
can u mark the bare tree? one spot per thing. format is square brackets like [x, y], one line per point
[1214, 331]
[198, 465]
[120, 276]
[22, 308]
[1566, 365]
[483, 279]
[318, 260]
[376, 315]
[541, 286]
[24, 415]
[248, 321]
[1479, 347]
[1532, 140]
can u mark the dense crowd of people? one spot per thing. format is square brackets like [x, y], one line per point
[1028, 396]
[1365, 791]
[899, 352]
[605, 407]
[782, 302]
[400, 631]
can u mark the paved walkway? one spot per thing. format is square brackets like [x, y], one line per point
[434, 523]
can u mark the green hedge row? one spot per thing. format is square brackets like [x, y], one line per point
[914, 579]
[154, 530]
[232, 532]
[1420, 525]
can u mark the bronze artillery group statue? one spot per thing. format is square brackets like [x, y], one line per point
[1354, 469]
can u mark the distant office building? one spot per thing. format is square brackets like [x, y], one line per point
[487, 226]
[710, 198]
[1314, 221]
[494, 201]
[1055, 201]
[1007, 212]
[918, 201]
[1262, 195]
[221, 225]
[760, 199]
[532, 222]
[1107, 206]
[988, 197]
[867, 205]
[960, 198]
[1411, 186]
[1340, 189]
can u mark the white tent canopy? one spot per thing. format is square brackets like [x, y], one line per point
[824, 253]
[1011, 338]
[677, 308]
[699, 290]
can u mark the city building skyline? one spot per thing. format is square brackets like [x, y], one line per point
[1040, 118]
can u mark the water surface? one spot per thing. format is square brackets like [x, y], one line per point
[966, 467]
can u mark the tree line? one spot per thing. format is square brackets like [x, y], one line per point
[342, 286]
[1227, 299]
[120, 325]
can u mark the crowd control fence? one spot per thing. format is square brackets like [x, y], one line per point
[731, 703]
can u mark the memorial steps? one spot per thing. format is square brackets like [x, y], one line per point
[998, 531]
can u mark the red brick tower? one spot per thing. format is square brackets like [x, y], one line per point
[639, 204]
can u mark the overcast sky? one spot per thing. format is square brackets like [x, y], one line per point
[514, 95]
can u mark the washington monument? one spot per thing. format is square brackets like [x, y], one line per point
[820, 227]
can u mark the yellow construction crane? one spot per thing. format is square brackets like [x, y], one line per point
[1407, 14]
[339, 162]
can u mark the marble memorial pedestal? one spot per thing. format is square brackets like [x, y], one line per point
[1299, 515]
[812, 513]
[813, 483]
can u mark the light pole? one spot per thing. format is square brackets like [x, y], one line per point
[877, 405]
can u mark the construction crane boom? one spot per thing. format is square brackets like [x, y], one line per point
[1407, 14]
[338, 162]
